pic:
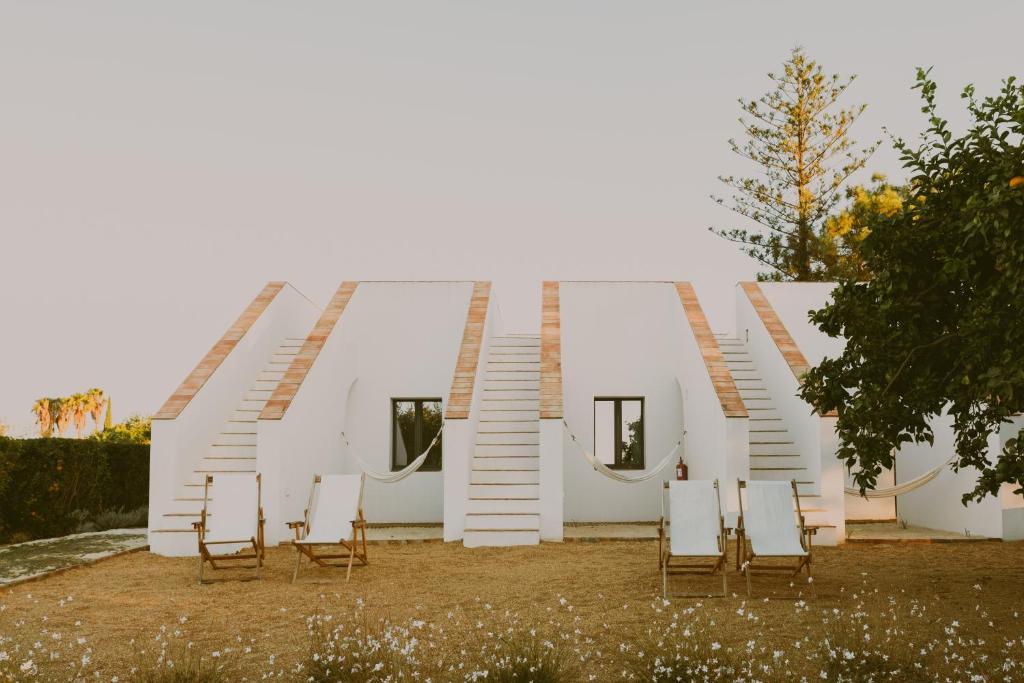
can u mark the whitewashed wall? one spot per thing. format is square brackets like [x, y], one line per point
[792, 301]
[1012, 503]
[618, 339]
[394, 340]
[179, 444]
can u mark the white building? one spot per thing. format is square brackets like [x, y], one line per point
[624, 370]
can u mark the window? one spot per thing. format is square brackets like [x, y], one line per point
[414, 423]
[619, 432]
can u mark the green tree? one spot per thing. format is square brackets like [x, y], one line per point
[44, 418]
[802, 146]
[108, 421]
[135, 429]
[937, 329]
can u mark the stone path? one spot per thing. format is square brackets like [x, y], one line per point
[24, 561]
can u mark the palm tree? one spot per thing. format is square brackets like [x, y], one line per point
[44, 418]
[62, 409]
[80, 407]
[98, 400]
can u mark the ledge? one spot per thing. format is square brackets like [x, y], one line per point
[288, 387]
[185, 392]
[550, 353]
[721, 377]
[461, 396]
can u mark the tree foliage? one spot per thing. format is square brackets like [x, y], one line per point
[802, 145]
[845, 232]
[937, 330]
[135, 429]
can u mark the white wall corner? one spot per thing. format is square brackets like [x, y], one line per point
[552, 453]
[833, 484]
[736, 464]
[268, 464]
[458, 457]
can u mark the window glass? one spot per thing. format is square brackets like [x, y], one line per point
[415, 422]
[619, 432]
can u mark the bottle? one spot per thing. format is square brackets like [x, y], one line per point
[682, 471]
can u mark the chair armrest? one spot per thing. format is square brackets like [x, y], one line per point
[296, 525]
[197, 525]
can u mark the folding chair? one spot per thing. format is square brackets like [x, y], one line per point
[334, 512]
[696, 531]
[774, 526]
[232, 518]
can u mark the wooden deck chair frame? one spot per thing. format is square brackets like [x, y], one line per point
[745, 556]
[352, 545]
[665, 555]
[258, 555]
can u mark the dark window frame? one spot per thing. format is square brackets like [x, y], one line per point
[617, 417]
[435, 461]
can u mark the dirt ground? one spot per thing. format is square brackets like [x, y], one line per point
[612, 587]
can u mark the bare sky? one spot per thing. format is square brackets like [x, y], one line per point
[159, 162]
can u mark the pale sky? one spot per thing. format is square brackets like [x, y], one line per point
[159, 162]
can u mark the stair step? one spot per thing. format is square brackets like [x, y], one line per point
[528, 387]
[239, 450]
[507, 438]
[504, 477]
[510, 404]
[522, 522]
[529, 395]
[270, 376]
[236, 438]
[504, 491]
[509, 372]
[506, 463]
[497, 506]
[264, 385]
[503, 342]
[766, 437]
[479, 539]
[513, 415]
[520, 426]
[774, 449]
[496, 450]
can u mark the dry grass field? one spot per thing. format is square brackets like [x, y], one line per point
[583, 611]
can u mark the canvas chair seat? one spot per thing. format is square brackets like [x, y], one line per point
[231, 520]
[771, 521]
[334, 516]
[696, 532]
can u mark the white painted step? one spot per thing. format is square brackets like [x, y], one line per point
[504, 477]
[495, 450]
[508, 438]
[506, 463]
[232, 450]
[493, 427]
[513, 371]
[491, 404]
[491, 396]
[764, 437]
[493, 506]
[505, 415]
[504, 491]
[529, 522]
[481, 539]
[532, 386]
[774, 449]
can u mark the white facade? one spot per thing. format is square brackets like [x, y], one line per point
[616, 340]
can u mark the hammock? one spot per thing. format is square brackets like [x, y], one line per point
[393, 477]
[615, 475]
[905, 487]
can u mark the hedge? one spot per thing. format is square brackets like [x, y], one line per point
[43, 481]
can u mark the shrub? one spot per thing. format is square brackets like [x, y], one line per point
[111, 519]
[43, 482]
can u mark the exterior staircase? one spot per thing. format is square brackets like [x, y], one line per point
[504, 486]
[773, 453]
[234, 448]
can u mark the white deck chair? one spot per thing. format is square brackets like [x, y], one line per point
[334, 513]
[774, 526]
[696, 531]
[232, 518]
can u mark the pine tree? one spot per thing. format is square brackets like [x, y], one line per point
[806, 156]
[108, 421]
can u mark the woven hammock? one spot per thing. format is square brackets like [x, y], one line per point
[615, 475]
[393, 477]
[905, 487]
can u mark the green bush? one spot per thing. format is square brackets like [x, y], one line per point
[47, 485]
